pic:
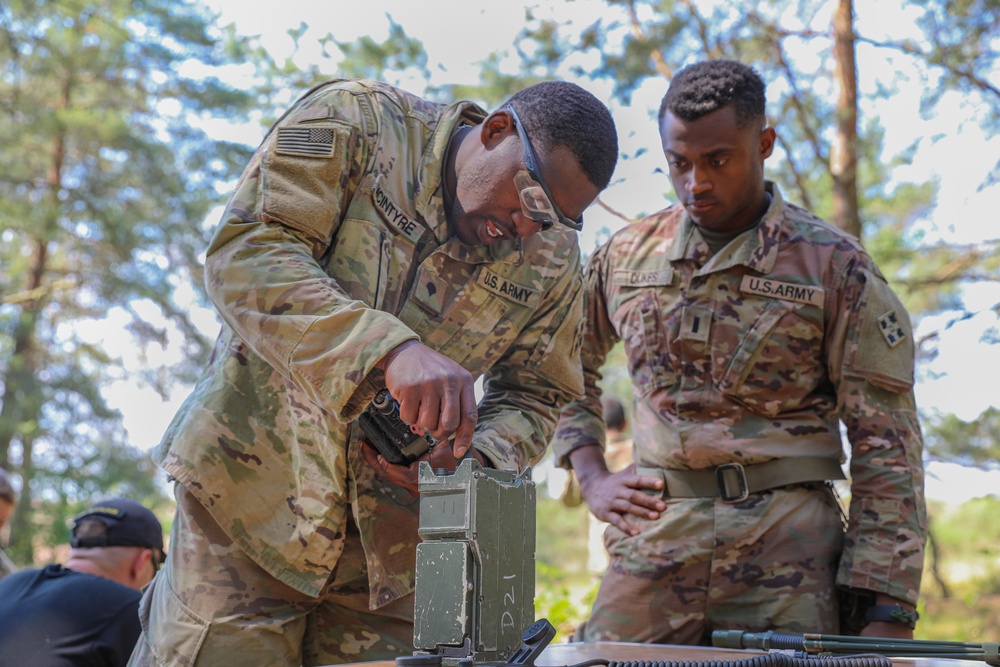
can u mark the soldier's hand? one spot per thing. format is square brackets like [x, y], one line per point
[406, 476]
[434, 393]
[613, 497]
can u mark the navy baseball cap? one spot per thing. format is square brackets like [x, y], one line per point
[126, 524]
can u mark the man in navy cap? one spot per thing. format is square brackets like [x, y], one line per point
[85, 612]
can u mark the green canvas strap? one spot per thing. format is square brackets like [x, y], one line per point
[733, 482]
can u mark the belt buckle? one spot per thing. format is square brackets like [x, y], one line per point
[725, 471]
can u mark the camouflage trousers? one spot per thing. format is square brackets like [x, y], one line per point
[767, 563]
[211, 605]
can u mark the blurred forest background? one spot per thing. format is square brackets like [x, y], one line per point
[115, 156]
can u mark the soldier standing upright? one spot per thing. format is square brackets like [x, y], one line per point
[752, 329]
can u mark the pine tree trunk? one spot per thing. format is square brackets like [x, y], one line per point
[844, 153]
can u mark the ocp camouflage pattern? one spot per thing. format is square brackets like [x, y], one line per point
[757, 353]
[333, 250]
[765, 563]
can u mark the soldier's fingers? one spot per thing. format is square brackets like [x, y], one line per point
[646, 482]
[404, 476]
[429, 415]
[371, 457]
[626, 504]
[622, 524]
[644, 512]
[470, 414]
[409, 405]
[448, 410]
[647, 501]
[441, 457]
[394, 474]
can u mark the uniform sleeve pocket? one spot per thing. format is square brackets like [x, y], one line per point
[178, 633]
[875, 527]
[301, 176]
[642, 333]
[360, 261]
[884, 351]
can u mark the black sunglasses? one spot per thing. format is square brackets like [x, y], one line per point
[536, 200]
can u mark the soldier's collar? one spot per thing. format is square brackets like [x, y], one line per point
[428, 196]
[505, 252]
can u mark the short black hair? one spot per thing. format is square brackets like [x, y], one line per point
[614, 412]
[559, 113]
[708, 86]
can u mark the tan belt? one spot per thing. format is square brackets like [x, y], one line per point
[733, 482]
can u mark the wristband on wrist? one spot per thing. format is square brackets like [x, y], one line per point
[892, 613]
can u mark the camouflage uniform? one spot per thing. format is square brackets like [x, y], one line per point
[333, 250]
[617, 456]
[748, 356]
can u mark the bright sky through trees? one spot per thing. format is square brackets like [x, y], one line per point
[457, 36]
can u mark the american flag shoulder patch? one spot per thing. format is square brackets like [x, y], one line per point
[312, 140]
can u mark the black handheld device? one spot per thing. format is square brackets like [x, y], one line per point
[393, 438]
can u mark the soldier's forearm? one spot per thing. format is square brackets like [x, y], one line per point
[588, 461]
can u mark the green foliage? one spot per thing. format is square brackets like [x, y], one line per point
[105, 178]
[564, 588]
[399, 60]
[960, 39]
[366, 58]
[966, 556]
[974, 444]
[615, 379]
[971, 528]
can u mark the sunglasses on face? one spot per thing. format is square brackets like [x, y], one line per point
[536, 200]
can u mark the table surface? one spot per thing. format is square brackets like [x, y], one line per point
[558, 655]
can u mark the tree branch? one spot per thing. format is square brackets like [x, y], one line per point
[702, 27]
[659, 62]
[800, 183]
[911, 50]
[618, 214]
[810, 132]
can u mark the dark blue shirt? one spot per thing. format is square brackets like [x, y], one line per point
[56, 617]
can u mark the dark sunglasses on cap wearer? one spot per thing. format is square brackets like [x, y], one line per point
[536, 200]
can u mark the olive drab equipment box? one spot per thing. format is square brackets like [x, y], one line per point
[475, 570]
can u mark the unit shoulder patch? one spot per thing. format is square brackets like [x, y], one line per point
[891, 328]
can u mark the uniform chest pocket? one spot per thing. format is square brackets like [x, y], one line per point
[778, 362]
[643, 329]
[359, 260]
[459, 319]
